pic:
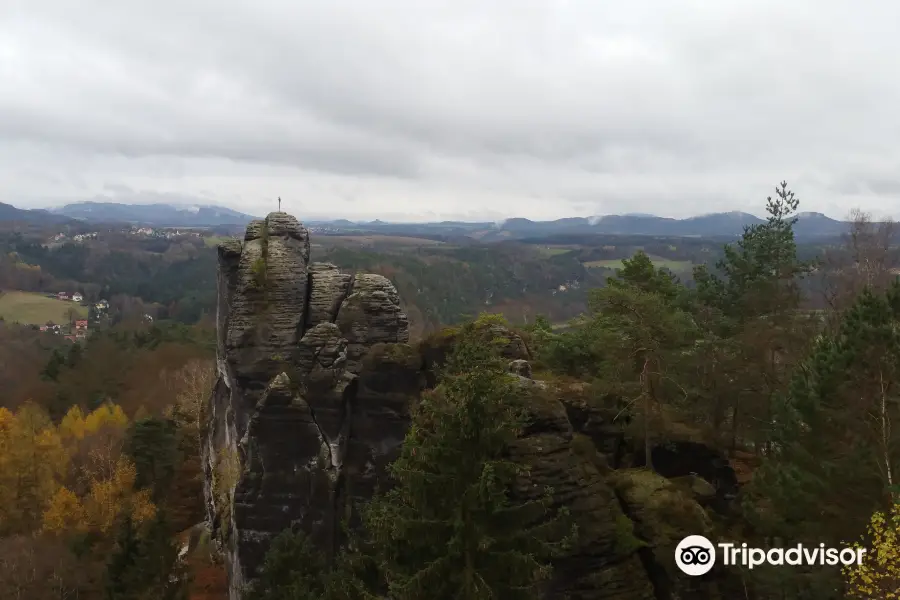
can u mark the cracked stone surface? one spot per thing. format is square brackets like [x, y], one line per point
[294, 409]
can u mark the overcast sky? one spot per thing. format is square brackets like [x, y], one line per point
[473, 110]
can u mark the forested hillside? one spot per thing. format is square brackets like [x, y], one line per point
[99, 462]
[442, 282]
[800, 403]
[101, 477]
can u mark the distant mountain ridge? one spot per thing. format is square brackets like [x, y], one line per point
[726, 224]
[156, 215]
[10, 213]
[723, 224]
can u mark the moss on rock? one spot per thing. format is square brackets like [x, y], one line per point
[402, 355]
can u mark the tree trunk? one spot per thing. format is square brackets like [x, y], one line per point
[885, 434]
[469, 575]
[734, 425]
[648, 398]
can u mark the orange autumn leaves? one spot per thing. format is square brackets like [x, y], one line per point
[66, 479]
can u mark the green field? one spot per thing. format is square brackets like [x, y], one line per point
[548, 251]
[36, 309]
[214, 240]
[616, 263]
[377, 239]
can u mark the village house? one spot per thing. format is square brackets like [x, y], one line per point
[81, 325]
[76, 297]
[62, 296]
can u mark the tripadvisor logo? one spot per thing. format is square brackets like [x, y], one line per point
[695, 555]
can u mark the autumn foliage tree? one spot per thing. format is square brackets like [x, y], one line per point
[33, 460]
[879, 574]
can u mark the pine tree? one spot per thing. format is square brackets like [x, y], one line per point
[144, 564]
[756, 333]
[152, 445]
[449, 529]
[640, 272]
[646, 337]
[292, 570]
[836, 452]
[760, 271]
[121, 565]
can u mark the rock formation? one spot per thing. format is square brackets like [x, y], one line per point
[290, 403]
[315, 381]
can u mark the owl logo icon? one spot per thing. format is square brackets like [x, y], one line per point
[695, 555]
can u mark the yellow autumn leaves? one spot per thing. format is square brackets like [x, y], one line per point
[879, 574]
[70, 478]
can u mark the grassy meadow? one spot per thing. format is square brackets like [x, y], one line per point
[30, 308]
[675, 266]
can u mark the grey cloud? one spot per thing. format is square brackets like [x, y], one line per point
[149, 197]
[117, 188]
[457, 107]
[885, 185]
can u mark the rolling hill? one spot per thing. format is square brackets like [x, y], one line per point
[156, 215]
[715, 225]
[711, 226]
[10, 213]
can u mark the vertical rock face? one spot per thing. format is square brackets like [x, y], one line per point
[290, 438]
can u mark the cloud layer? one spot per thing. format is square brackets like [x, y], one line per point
[428, 109]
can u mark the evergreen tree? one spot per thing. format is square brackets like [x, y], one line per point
[760, 271]
[144, 564]
[639, 272]
[449, 529]
[754, 331]
[54, 365]
[152, 445]
[292, 570]
[837, 453]
[121, 565]
[646, 337]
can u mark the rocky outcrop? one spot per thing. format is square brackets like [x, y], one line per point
[663, 515]
[316, 381]
[688, 458]
[602, 422]
[604, 563]
[437, 348]
[298, 421]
